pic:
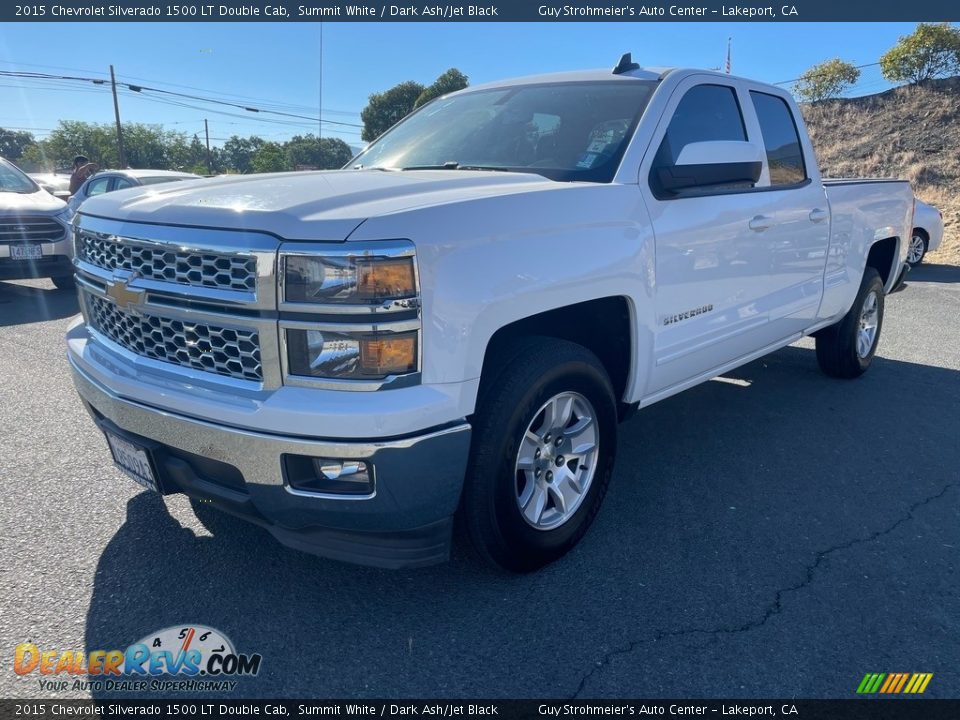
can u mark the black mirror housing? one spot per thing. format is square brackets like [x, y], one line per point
[676, 178]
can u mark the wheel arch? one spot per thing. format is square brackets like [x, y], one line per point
[883, 256]
[605, 326]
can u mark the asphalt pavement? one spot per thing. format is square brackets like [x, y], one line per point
[775, 533]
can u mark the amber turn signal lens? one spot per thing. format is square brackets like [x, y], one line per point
[386, 279]
[389, 354]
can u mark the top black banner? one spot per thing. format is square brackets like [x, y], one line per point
[484, 11]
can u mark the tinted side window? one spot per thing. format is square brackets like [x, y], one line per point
[780, 138]
[706, 112]
[98, 186]
[123, 184]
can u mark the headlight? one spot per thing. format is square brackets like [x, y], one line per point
[357, 280]
[364, 355]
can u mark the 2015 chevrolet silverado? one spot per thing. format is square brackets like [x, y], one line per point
[453, 326]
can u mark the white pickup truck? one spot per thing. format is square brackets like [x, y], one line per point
[450, 329]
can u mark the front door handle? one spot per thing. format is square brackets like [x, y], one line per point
[818, 215]
[760, 223]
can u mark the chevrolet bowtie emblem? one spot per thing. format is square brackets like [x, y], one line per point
[124, 296]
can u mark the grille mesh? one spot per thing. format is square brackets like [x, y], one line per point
[225, 351]
[224, 272]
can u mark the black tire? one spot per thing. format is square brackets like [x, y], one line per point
[527, 374]
[837, 351]
[64, 282]
[919, 236]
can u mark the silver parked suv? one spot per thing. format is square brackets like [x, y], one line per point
[34, 230]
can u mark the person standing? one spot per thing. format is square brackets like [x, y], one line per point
[82, 169]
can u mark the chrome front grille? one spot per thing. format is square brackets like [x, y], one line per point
[202, 346]
[167, 264]
[35, 228]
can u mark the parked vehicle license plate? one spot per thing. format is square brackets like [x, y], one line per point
[26, 252]
[132, 460]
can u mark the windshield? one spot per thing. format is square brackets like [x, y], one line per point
[563, 131]
[12, 179]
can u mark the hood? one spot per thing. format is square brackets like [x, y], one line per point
[36, 202]
[325, 205]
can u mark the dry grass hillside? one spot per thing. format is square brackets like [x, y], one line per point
[909, 132]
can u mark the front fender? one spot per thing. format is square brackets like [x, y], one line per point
[489, 262]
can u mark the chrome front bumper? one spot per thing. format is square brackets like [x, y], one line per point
[406, 521]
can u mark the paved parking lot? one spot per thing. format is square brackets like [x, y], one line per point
[779, 535]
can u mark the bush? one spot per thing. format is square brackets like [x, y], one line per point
[827, 80]
[931, 51]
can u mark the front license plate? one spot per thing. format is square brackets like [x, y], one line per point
[132, 460]
[26, 252]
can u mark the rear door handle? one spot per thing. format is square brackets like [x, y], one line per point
[761, 223]
[818, 215]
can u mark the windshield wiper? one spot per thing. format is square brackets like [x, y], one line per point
[454, 165]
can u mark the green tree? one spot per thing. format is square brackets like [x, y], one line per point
[931, 51]
[328, 153]
[827, 80]
[450, 81]
[270, 157]
[71, 138]
[389, 107]
[14, 142]
[147, 146]
[238, 152]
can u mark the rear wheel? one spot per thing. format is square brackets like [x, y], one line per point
[64, 282]
[918, 247]
[845, 350]
[544, 441]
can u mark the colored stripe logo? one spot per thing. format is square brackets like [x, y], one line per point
[894, 683]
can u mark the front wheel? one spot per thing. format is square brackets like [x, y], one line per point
[544, 442]
[845, 350]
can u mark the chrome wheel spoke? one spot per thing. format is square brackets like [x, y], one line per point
[556, 494]
[536, 502]
[526, 458]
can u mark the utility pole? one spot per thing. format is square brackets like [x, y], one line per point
[116, 114]
[320, 92]
[206, 130]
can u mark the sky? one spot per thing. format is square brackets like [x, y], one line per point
[277, 65]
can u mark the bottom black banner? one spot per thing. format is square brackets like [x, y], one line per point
[873, 709]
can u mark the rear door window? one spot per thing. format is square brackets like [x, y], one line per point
[781, 139]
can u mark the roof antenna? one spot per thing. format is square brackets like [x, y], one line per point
[626, 64]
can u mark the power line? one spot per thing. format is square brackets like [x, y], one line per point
[261, 101]
[188, 96]
[858, 67]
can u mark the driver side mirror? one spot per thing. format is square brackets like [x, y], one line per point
[713, 164]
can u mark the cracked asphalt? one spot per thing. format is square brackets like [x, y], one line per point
[772, 534]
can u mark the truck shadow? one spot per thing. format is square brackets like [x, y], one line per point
[926, 272]
[723, 500]
[23, 304]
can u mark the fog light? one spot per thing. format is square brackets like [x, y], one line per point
[330, 476]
